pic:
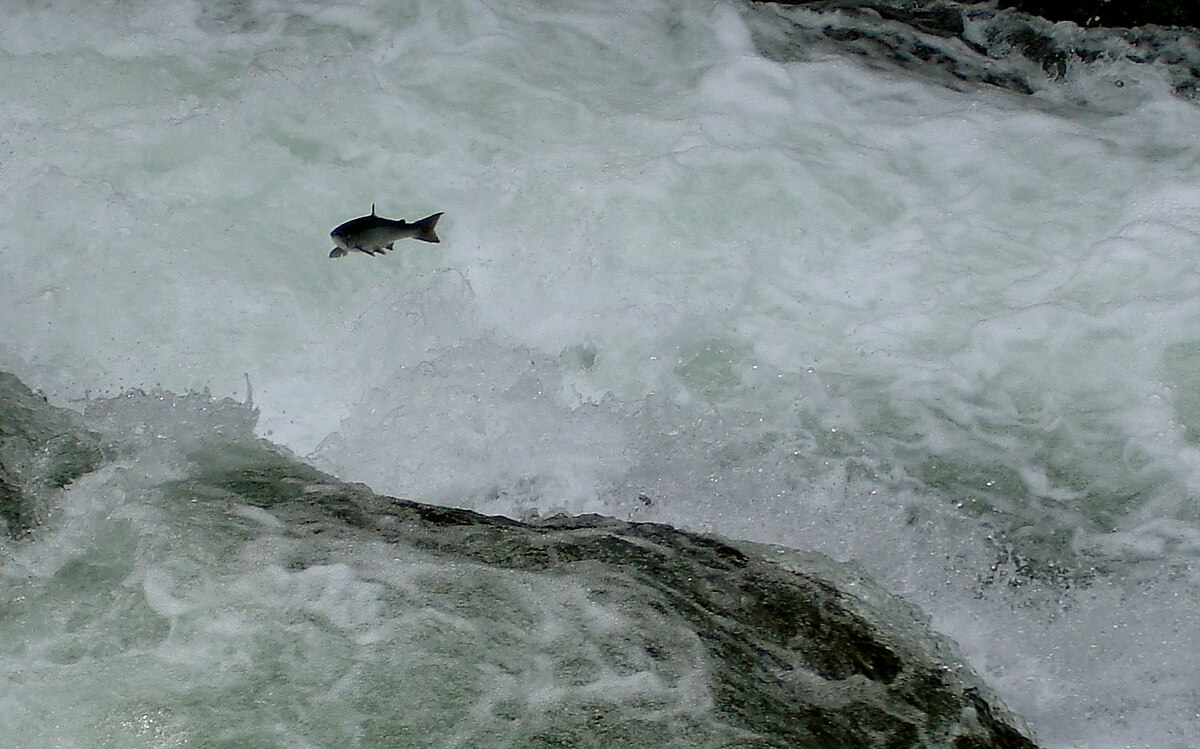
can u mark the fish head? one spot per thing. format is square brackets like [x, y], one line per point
[340, 239]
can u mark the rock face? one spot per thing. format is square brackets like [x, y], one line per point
[1080, 12]
[1113, 14]
[1016, 45]
[799, 660]
[803, 652]
[41, 448]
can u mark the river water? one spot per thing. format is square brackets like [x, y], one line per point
[697, 267]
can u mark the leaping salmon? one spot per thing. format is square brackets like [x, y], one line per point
[375, 235]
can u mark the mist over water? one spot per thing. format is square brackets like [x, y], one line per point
[946, 332]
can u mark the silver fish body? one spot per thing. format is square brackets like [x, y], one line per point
[374, 235]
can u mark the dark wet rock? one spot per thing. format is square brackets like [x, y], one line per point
[1038, 47]
[981, 43]
[938, 18]
[934, 16]
[805, 652]
[802, 652]
[41, 449]
[1112, 13]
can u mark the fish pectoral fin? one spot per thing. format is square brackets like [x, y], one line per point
[389, 246]
[337, 252]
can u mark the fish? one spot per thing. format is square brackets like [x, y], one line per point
[375, 235]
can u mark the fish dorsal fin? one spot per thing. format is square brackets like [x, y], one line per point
[372, 209]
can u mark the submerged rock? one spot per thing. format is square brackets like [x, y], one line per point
[41, 448]
[805, 652]
[800, 651]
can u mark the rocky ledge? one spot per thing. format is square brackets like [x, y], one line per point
[803, 652]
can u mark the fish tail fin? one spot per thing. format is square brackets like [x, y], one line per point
[425, 227]
[338, 252]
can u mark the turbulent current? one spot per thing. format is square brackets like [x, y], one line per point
[919, 291]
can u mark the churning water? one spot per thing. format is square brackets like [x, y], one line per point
[688, 274]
